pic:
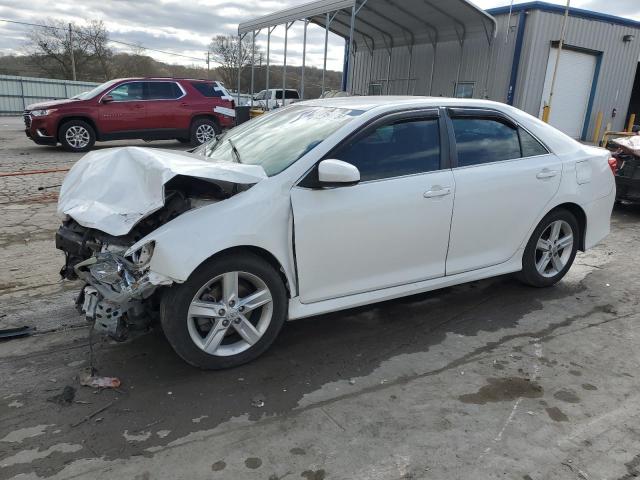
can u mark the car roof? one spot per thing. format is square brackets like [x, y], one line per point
[381, 101]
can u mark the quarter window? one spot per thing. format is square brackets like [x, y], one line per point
[400, 148]
[530, 146]
[208, 89]
[484, 140]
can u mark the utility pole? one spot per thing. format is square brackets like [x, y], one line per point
[546, 111]
[208, 68]
[73, 59]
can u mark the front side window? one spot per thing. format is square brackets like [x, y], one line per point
[401, 148]
[484, 140]
[278, 139]
[162, 91]
[128, 92]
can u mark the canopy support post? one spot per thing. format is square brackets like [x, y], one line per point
[433, 66]
[240, 39]
[287, 26]
[269, 32]
[253, 62]
[410, 65]
[304, 57]
[349, 52]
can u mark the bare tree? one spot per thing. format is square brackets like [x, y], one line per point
[54, 44]
[232, 55]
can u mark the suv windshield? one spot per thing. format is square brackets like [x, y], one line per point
[276, 140]
[92, 93]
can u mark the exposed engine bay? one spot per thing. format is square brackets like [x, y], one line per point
[120, 291]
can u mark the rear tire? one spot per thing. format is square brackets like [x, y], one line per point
[211, 328]
[203, 130]
[551, 249]
[77, 136]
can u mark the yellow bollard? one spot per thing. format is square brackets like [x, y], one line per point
[596, 132]
[546, 111]
[632, 121]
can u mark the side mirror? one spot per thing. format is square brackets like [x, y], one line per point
[336, 173]
[107, 99]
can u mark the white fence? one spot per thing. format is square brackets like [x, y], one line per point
[18, 92]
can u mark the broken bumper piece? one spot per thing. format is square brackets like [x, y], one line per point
[115, 292]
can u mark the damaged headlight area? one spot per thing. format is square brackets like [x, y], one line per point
[118, 295]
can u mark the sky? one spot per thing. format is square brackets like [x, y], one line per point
[187, 27]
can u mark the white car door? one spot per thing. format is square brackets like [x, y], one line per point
[392, 228]
[504, 179]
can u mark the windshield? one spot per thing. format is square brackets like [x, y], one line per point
[276, 140]
[96, 90]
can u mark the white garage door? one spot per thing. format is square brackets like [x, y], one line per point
[572, 90]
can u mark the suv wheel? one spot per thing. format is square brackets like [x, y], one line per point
[203, 130]
[551, 249]
[227, 313]
[77, 136]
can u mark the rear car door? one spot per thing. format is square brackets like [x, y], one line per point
[504, 179]
[390, 229]
[126, 112]
[166, 110]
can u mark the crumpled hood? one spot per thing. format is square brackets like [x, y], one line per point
[111, 190]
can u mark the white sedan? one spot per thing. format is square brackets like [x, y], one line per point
[322, 206]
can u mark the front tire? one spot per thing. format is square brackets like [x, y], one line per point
[203, 130]
[227, 313]
[77, 136]
[551, 249]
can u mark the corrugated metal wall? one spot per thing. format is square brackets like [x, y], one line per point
[18, 92]
[490, 67]
[617, 69]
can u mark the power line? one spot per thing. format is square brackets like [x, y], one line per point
[109, 40]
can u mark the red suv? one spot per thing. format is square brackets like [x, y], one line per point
[191, 111]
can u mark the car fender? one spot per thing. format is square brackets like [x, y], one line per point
[256, 218]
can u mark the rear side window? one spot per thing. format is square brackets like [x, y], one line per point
[530, 146]
[393, 150]
[163, 91]
[288, 94]
[207, 89]
[484, 140]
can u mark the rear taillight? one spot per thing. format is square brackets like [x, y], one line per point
[613, 164]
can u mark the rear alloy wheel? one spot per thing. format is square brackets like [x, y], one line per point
[227, 313]
[551, 249]
[203, 130]
[77, 136]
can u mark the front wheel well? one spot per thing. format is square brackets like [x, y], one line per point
[259, 252]
[81, 118]
[581, 217]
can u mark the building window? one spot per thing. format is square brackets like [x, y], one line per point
[464, 89]
[375, 89]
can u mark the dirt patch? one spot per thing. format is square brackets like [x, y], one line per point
[556, 414]
[503, 389]
[567, 395]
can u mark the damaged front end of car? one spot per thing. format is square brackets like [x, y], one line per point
[118, 291]
[104, 216]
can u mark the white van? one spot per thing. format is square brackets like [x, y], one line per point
[272, 98]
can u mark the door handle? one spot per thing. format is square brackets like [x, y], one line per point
[546, 173]
[437, 191]
[139, 106]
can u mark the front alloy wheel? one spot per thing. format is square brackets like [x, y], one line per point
[227, 313]
[230, 314]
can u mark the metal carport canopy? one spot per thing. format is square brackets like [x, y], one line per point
[388, 23]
